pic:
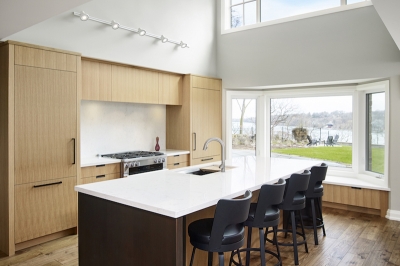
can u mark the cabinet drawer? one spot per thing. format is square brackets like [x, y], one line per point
[99, 178]
[44, 208]
[101, 169]
[177, 158]
[177, 165]
[206, 160]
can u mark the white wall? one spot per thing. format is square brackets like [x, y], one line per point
[192, 21]
[108, 127]
[349, 45]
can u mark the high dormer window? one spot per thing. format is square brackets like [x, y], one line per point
[252, 13]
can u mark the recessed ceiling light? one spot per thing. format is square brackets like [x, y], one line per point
[84, 16]
[141, 32]
[114, 25]
[164, 39]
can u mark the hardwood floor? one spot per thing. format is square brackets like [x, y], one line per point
[351, 239]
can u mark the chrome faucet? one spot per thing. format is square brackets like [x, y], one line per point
[222, 166]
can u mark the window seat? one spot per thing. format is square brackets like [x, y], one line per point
[355, 195]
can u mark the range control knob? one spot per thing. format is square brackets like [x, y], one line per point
[155, 160]
[159, 160]
[163, 160]
[136, 164]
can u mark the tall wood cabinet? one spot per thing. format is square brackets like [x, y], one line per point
[39, 137]
[199, 118]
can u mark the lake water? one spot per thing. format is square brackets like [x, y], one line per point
[345, 136]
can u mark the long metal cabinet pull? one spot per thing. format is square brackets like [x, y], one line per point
[74, 150]
[208, 159]
[195, 140]
[49, 184]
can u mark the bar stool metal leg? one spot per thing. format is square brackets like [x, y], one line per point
[262, 246]
[302, 230]
[248, 246]
[191, 259]
[314, 218]
[320, 213]
[296, 255]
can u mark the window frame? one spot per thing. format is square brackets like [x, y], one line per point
[226, 15]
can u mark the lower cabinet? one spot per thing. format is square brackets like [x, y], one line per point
[100, 172]
[209, 159]
[178, 161]
[44, 208]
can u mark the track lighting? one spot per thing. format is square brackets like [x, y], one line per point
[141, 32]
[163, 39]
[115, 25]
[84, 16]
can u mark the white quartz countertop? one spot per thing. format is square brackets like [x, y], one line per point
[176, 194]
[96, 160]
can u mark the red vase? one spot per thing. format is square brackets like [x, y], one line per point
[157, 148]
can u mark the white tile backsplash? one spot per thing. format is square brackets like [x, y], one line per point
[108, 127]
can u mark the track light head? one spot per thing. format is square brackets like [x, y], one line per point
[164, 39]
[141, 32]
[84, 16]
[114, 24]
[183, 45]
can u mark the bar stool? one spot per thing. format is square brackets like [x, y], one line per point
[294, 200]
[224, 232]
[264, 214]
[314, 193]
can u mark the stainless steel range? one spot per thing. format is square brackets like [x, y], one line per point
[137, 162]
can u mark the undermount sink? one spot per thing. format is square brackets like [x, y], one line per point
[200, 172]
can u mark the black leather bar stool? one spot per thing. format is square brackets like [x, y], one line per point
[314, 193]
[294, 200]
[224, 232]
[264, 214]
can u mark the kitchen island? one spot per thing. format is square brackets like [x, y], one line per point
[143, 219]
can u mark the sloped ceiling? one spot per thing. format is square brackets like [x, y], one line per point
[16, 15]
[389, 11]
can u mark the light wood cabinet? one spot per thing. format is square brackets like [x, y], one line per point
[135, 85]
[100, 172]
[170, 89]
[356, 196]
[44, 207]
[40, 145]
[178, 161]
[45, 124]
[199, 118]
[96, 81]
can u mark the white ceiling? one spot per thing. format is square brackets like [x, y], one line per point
[389, 10]
[16, 15]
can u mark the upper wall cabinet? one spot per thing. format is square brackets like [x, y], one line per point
[96, 81]
[170, 89]
[103, 81]
[134, 85]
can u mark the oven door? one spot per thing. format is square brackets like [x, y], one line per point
[146, 168]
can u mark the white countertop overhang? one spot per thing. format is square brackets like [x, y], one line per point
[176, 194]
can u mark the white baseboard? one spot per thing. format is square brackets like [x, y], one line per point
[393, 215]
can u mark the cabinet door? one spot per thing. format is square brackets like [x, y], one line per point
[206, 121]
[44, 208]
[134, 85]
[170, 89]
[96, 81]
[45, 124]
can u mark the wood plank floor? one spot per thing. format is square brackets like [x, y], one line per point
[352, 239]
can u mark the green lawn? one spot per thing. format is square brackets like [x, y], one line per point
[335, 154]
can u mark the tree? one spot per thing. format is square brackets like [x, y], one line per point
[242, 108]
[281, 110]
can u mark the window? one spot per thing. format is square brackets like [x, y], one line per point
[255, 12]
[375, 130]
[243, 127]
[313, 128]
[345, 126]
[243, 12]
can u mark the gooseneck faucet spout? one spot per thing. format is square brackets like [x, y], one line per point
[222, 166]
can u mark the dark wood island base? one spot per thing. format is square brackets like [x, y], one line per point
[115, 234]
